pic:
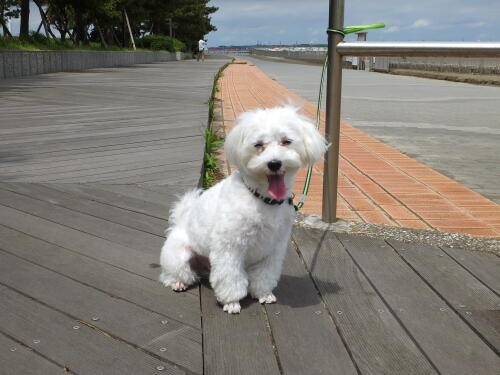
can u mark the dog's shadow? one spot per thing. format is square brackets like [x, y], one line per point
[294, 291]
[300, 291]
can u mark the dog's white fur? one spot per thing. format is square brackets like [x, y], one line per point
[244, 239]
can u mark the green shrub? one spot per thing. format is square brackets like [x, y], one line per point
[161, 43]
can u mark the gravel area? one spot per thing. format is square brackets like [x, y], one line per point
[429, 237]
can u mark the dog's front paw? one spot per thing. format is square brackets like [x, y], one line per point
[269, 298]
[232, 308]
[179, 286]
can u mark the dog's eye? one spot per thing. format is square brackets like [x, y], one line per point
[258, 145]
[286, 142]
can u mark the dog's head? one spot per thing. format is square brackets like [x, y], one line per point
[270, 145]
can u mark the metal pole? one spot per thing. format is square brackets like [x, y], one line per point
[332, 122]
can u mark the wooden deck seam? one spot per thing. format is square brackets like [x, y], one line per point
[325, 305]
[101, 200]
[75, 210]
[76, 228]
[99, 330]
[78, 253]
[93, 175]
[389, 308]
[272, 339]
[474, 274]
[110, 155]
[97, 289]
[32, 350]
[102, 146]
[445, 300]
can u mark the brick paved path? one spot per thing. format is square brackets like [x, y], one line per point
[377, 183]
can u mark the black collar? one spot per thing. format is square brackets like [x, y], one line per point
[271, 201]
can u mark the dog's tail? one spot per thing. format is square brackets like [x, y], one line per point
[182, 207]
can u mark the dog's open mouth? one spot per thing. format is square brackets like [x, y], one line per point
[277, 188]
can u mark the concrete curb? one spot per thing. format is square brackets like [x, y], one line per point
[15, 64]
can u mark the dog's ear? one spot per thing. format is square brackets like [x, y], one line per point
[315, 144]
[234, 143]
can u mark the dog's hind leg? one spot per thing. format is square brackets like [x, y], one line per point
[175, 261]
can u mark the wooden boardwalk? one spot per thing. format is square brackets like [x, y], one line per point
[89, 166]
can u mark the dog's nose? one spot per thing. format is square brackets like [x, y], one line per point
[274, 165]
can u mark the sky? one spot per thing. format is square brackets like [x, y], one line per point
[248, 22]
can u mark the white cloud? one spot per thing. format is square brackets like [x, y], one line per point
[475, 25]
[422, 22]
[391, 29]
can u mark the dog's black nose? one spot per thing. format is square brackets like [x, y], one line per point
[274, 165]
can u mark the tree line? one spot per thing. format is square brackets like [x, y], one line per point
[113, 22]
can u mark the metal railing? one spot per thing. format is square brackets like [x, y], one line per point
[337, 49]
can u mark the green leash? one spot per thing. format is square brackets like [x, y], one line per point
[343, 32]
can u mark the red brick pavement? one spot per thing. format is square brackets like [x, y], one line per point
[377, 183]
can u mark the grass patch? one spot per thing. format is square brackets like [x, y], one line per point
[213, 139]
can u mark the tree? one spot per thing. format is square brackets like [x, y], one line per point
[24, 29]
[8, 9]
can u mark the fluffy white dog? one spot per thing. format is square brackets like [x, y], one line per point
[240, 228]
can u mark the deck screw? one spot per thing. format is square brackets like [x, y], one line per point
[277, 313]
[76, 327]
[13, 349]
[468, 313]
[160, 368]
[95, 318]
[164, 321]
[317, 312]
[163, 349]
[36, 341]
[339, 312]
[443, 309]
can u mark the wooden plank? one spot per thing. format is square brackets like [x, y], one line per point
[65, 161]
[375, 338]
[449, 343]
[138, 192]
[93, 142]
[118, 318]
[116, 215]
[150, 294]
[482, 265]
[83, 153]
[118, 200]
[84, 350]
[97, 227]
[115, 169]
[307, 347]
[18, 359]
[189, 175]
[235, 344]
[127, 258]
[466, 295]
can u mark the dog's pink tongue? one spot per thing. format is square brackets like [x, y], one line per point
[277, 188]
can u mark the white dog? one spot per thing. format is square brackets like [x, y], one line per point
[240, 228]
